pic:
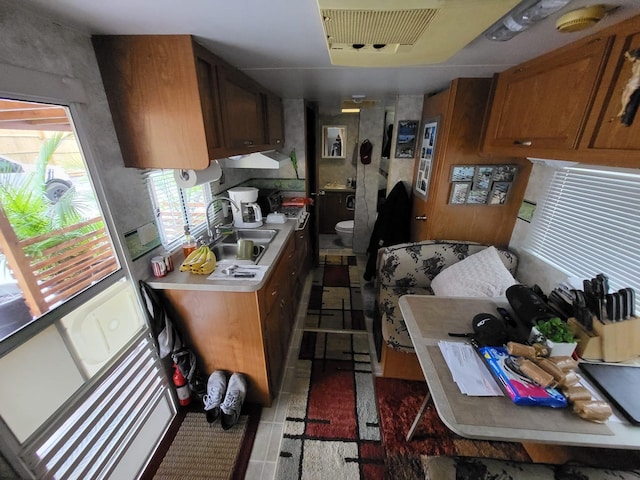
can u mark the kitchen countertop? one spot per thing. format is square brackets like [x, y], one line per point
[178, 280]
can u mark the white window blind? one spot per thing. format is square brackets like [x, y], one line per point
[589, 223]
[176, 207]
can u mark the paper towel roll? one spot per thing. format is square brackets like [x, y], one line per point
[190, 178]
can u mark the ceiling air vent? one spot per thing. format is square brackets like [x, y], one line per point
[379, 33]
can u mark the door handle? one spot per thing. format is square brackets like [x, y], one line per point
[421, 218]
[315, 194]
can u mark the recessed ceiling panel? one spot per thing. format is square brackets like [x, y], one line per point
[379, 33]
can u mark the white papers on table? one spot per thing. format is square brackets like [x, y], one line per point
[468, 370]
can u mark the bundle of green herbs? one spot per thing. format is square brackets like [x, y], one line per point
[555, 330]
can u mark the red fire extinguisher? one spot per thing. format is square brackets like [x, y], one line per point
[182, 389]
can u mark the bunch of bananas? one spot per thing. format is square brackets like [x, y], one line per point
[201, 261]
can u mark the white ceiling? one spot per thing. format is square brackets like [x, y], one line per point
[281, 43]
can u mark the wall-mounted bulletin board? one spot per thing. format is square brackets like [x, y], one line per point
[481, 184]
[425, 161]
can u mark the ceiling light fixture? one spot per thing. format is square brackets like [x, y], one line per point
[523, 16]
[350, 110]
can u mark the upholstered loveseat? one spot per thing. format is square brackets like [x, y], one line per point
[409, 268]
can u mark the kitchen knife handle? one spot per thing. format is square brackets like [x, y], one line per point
[619, 306]
[624, 298]
[611, 307]
[631, 294]
[604, 282]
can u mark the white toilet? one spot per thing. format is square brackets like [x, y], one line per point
[345, 232]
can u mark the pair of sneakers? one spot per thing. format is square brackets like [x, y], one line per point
[224, 399]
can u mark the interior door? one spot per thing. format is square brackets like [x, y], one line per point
[311, 116]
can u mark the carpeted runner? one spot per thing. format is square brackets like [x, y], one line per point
[331, 428]
[335, 301]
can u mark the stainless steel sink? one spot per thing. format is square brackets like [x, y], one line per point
[258, 236]
[228, 253]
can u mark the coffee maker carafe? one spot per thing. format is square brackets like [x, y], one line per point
[246, 212]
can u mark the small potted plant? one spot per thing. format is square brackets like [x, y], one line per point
[556, 334]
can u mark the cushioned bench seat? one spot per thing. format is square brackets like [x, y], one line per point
[409, 268]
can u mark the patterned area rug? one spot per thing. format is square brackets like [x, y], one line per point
[331, 428]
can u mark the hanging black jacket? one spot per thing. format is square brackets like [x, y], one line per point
[392, 226]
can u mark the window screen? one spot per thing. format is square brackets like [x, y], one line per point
[589, 223]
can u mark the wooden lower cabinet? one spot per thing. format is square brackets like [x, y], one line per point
[247, 332]
[335, 207]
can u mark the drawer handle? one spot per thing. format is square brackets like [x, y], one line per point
[274, 293]
[248, 143]
[421, 218]
[524, 143]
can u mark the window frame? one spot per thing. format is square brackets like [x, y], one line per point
[69, 93]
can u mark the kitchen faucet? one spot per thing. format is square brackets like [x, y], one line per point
[216, 228]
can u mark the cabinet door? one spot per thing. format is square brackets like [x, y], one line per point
[610, 133]
[242, 110]
[543, 104]
[209, 100]
[275, 121]
[152, 89]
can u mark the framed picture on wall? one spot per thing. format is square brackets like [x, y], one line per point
[427, 151]
[459, 191]
[499, 193]
[483, 177]
[504, 173]
[463, 173]
[406, 138]
[477, 197]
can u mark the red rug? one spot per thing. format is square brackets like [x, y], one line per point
[398, 404]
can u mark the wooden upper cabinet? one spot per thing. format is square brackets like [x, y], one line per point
[565, 104]
[605, 134]
[543, 104]
[275, 120]
[176, 105]
[242, 110]
[154, 97]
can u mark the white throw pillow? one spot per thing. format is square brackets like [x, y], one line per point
[479, 275]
